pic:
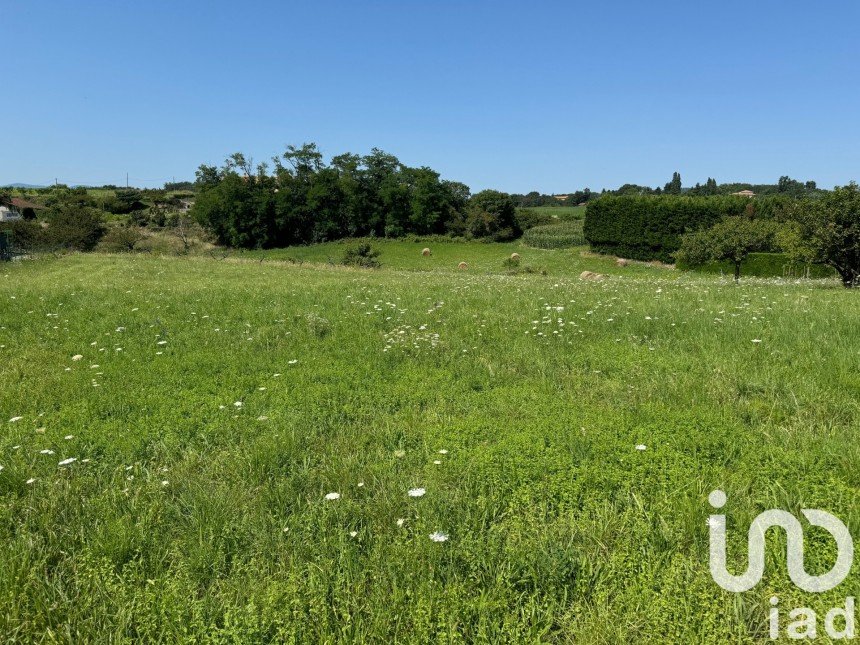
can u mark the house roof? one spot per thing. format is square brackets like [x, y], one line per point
[19, 203]
[745, 193]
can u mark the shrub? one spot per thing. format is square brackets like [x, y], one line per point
[529, 218]
[555, 236]
[765, 265]
[493, 214]
[363, 255]
[318, 326]
[25, 236]
[120, 239]
[75, 228]
[650, 227]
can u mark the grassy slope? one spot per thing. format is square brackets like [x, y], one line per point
[559, 528]
[482, 258]
[561, 212]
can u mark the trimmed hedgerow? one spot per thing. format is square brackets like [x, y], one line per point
[767, 265]
[644, 227]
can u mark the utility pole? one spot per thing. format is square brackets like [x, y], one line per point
[126, 180]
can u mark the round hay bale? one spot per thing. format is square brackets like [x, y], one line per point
[462, 265]
[591, 275]
[426, 252]
[621, 262]
[515, 256]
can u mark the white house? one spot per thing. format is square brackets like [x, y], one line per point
[8, 213]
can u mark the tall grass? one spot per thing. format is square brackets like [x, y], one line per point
[217, 403]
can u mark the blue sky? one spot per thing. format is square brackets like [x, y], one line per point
[551, 96]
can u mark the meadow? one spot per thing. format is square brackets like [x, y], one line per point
[272, 447]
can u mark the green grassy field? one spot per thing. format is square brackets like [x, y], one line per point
[560, 212]
[446, 255]
[216, 404]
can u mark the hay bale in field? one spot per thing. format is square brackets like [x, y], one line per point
[462, 265]
[426, 253]
[622, 262]
[591, 275]
[515, 256]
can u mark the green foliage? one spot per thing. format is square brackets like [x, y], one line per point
[121, 239]
[650, 227]
[732, 240]
[25, 236]
[827, 231]
[74, 228]
[492, 214]
[556, 236]
[674, 186]
[305, 201]
[512, 262]
[363, 255]
[530, 217]
[764, 265]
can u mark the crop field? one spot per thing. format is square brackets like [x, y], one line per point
[255, 449]
[560, 212]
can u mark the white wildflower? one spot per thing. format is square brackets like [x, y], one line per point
[438, 536]
[416, 492]
[332, 496]
[66, 462]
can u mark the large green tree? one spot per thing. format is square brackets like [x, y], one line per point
[827, 231]
[732, 239]
[674, 186]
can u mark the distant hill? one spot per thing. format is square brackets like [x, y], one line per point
[23, 186]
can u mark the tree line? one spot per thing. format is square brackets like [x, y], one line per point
[785, 186]
[301, 199]
[696, 230]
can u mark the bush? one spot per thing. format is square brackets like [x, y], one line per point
[25, 236]
[363, 255]
[120, 239]
[650, 227]
[75, 228]
[555, 236]
[765, 265]
[529, 218]
[493, 214]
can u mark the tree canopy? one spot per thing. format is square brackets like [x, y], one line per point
[304, 199]
[827, 231]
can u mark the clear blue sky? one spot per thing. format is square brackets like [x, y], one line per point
[551, 96]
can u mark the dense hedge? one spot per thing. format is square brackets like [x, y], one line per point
[644, 227]
[767, 265]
